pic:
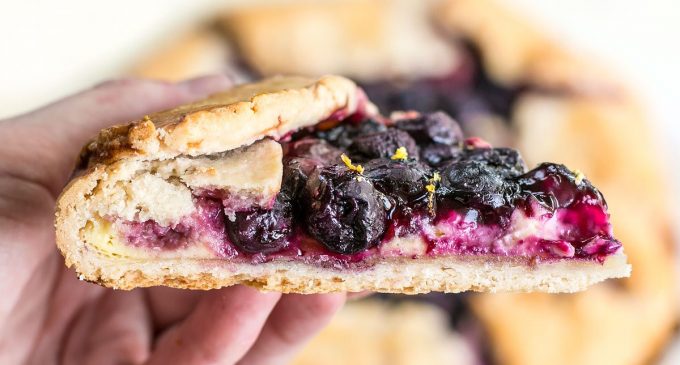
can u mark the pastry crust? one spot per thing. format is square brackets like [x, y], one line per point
[270, 108]
[450, 274]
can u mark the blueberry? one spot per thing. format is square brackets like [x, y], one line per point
[315, 149]
[505, 161]
[343, 135]
[344, 211]
[296, 171]
[437, 127]
[555, 186]
[404, 181]
[439, 154]
[383, 144]
[262, 231]
[473, 183]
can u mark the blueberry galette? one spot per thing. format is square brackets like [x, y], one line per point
[299, 185]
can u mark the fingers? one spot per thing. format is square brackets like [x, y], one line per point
[220, 330]
[49, 139]
[169, 305]
[114, 330]
[294, 321]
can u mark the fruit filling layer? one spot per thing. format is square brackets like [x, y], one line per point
[358, 189]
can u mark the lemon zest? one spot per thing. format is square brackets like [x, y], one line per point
[579, 176]
[431, 188]
[400, 154]
[436, 177]
[348, 163]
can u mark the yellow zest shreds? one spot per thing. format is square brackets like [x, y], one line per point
[348, 163]
[400, 154]
[146, 118]
[431, 188]
[436, 177]
[579, 176]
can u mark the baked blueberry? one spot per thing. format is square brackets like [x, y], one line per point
[382, 144]
[403, 181]
[343, 135]
[296, 171]
[262, 231]
[505, 161]
[315, 149]
[473, 183]
[344, 211]
[439, 154]
[555, 186]
[437, 127]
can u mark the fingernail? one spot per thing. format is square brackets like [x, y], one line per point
[206, 84]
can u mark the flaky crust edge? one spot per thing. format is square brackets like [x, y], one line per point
[271, 107]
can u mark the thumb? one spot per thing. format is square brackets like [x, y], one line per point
[46, 142]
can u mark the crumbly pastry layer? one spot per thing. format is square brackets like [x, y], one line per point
[397, 275]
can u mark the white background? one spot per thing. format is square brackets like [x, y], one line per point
[52, 48]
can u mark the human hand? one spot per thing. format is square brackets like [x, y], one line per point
[47, 316]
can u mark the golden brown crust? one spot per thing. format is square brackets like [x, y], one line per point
[228, 120]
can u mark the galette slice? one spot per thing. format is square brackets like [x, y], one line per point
[299, 185]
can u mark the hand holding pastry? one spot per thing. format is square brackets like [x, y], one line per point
[49, 316]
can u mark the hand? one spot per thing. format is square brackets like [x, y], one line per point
[47, 316]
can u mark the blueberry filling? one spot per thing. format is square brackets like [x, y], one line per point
[262, 231]
[465, 93]
[349, 188]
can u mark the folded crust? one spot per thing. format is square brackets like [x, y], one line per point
[270, 108]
